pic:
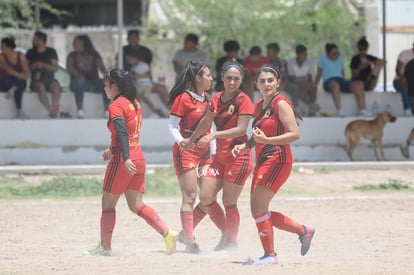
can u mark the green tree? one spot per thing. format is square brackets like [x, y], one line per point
[252, 22]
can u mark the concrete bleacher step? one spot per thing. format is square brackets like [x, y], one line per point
[75, 141]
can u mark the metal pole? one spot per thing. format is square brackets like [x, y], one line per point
[120, 17]
[384, 41]
[37, 15]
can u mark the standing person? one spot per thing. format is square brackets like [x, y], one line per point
[190, 103]
[14, 72]
[43, 63]
[125, 173]
[403, 58]
[274, 128]
[408, 83]
[231, 111]
[300, 82]
[190, 52]
[231, 47]
[83, 64]
[273, 50]
[252, 63]
[366, 67]
[331, 69]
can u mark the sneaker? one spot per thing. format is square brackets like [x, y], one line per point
[170, 241]
[306, 239]
[192, 248]
[405, 150]
[407, 112]
[21, 115]
[364, 113]
[340, 113]
[80, 114]
[98, 251]
[267, 259]
[222, 243]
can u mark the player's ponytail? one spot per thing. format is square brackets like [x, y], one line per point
[125, 83]
[186, 80]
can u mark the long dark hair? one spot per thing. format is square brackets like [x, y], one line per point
[267, 68]
[125, 82]
[186, 80]
[9, 42]
[87, 43]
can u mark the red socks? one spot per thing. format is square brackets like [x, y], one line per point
[285, 223]
[152, 218]
[187, 224]
[107, 227]
[198, 215]
[265, 229]
[217, 215]
[232, 222]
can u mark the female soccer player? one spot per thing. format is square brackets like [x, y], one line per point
[189, 104]
[126, 169]
[274, 128]
[231, 111]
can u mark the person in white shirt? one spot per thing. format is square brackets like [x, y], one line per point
[300, 83]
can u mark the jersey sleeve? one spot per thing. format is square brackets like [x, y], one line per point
[246, 107]
[116, 110]
[179, 108]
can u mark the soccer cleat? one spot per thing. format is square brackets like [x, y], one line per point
[405, 150]
[98, 251]
[181, 237]
[267, 259]
[192, 248]
[222, 243]
[306, 239]
[170, 242]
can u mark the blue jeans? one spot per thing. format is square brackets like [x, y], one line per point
[7, 83]
[79, 86]
[404, 93]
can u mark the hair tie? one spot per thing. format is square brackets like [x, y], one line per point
[202, 67]
[270, 68]
[109, 75]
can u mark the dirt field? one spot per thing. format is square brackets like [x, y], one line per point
[356, 233]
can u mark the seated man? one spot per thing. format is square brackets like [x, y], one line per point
[366, 67]
[300, 84]
[43, 63]
[231, 47]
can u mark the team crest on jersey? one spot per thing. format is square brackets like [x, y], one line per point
[198, 110]
[229, 173]
[267, 114]
[230, 110]
[260, 177]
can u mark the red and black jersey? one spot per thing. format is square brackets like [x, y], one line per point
[268, 121]
[191, 111]
[122, 108]
[226, 115]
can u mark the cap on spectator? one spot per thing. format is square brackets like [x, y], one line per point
[133, 32]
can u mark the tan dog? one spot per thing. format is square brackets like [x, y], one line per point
[369, 129]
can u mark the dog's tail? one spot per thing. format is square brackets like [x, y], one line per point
[349, 142]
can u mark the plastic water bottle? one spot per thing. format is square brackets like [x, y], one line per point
[375, 108]
[304, 170]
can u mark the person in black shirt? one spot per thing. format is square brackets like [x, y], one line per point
[231, 47]
[43, 63]
[366, 67]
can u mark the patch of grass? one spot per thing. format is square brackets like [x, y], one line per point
[392, 185]
[162, 182]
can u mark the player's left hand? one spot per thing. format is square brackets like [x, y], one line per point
[106, 155]
[259, 136]
[130, 167]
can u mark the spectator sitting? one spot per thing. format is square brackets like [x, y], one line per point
[273, 51]
[366, 67]
[190, 52]
[83, 64]
[231, 47]
[300, 83]
[403, 58]
[143, 82]
[145, 56]
[14, 72]
[331, 68]
[252, 63]
[43, 63]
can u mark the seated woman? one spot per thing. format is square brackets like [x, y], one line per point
[14, 72]
[366, 67]
[331, 68]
